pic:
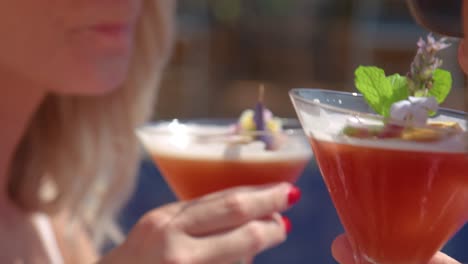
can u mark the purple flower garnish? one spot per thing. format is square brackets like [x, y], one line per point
[259, 119]
[425, 63]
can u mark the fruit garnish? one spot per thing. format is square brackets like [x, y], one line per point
[363, 132]
[246, 120]
[360, 130]
[422, 134]
[434, 131]
[448, 125]
[407, 102]
[261, 124]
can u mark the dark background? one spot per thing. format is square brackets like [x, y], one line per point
[225, 48]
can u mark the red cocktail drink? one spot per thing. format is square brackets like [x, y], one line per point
[400, 199]
[397, 206]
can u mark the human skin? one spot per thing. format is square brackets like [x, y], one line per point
[342, 252]
[73, 47]
[84, 48]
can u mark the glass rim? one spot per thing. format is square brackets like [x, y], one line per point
[291, 127]
[295, 94]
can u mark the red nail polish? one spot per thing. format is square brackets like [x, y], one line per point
[287, 224]
[294, 195]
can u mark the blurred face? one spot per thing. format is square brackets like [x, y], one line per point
[68, 46]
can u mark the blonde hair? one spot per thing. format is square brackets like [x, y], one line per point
[81, 153]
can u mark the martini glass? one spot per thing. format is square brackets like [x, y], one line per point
[398, 200]
[197, 157]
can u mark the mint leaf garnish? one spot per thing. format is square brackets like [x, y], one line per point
[424, 79]
[442, 84]
[399, 87]
[380, 91]
[374, 86]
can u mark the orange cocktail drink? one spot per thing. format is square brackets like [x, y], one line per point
[399, 200]
[196, 159]
[199, 176]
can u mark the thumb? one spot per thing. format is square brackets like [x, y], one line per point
[441, 258]
[342, 251]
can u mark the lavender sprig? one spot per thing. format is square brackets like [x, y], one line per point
[425, 62]
[259, 119]
[259, 110]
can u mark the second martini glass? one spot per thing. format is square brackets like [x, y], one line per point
[197, 157]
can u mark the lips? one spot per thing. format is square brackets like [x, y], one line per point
[103, 41]
[114, 30]
[106, 37]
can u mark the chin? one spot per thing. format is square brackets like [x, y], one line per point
[94, 79]
[101, 85]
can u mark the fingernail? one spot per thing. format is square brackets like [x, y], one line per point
[294, 195]
[287, 224]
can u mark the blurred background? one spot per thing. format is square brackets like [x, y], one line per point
[224, 49]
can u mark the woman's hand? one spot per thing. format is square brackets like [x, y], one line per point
[223, 227]
[341, 250]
